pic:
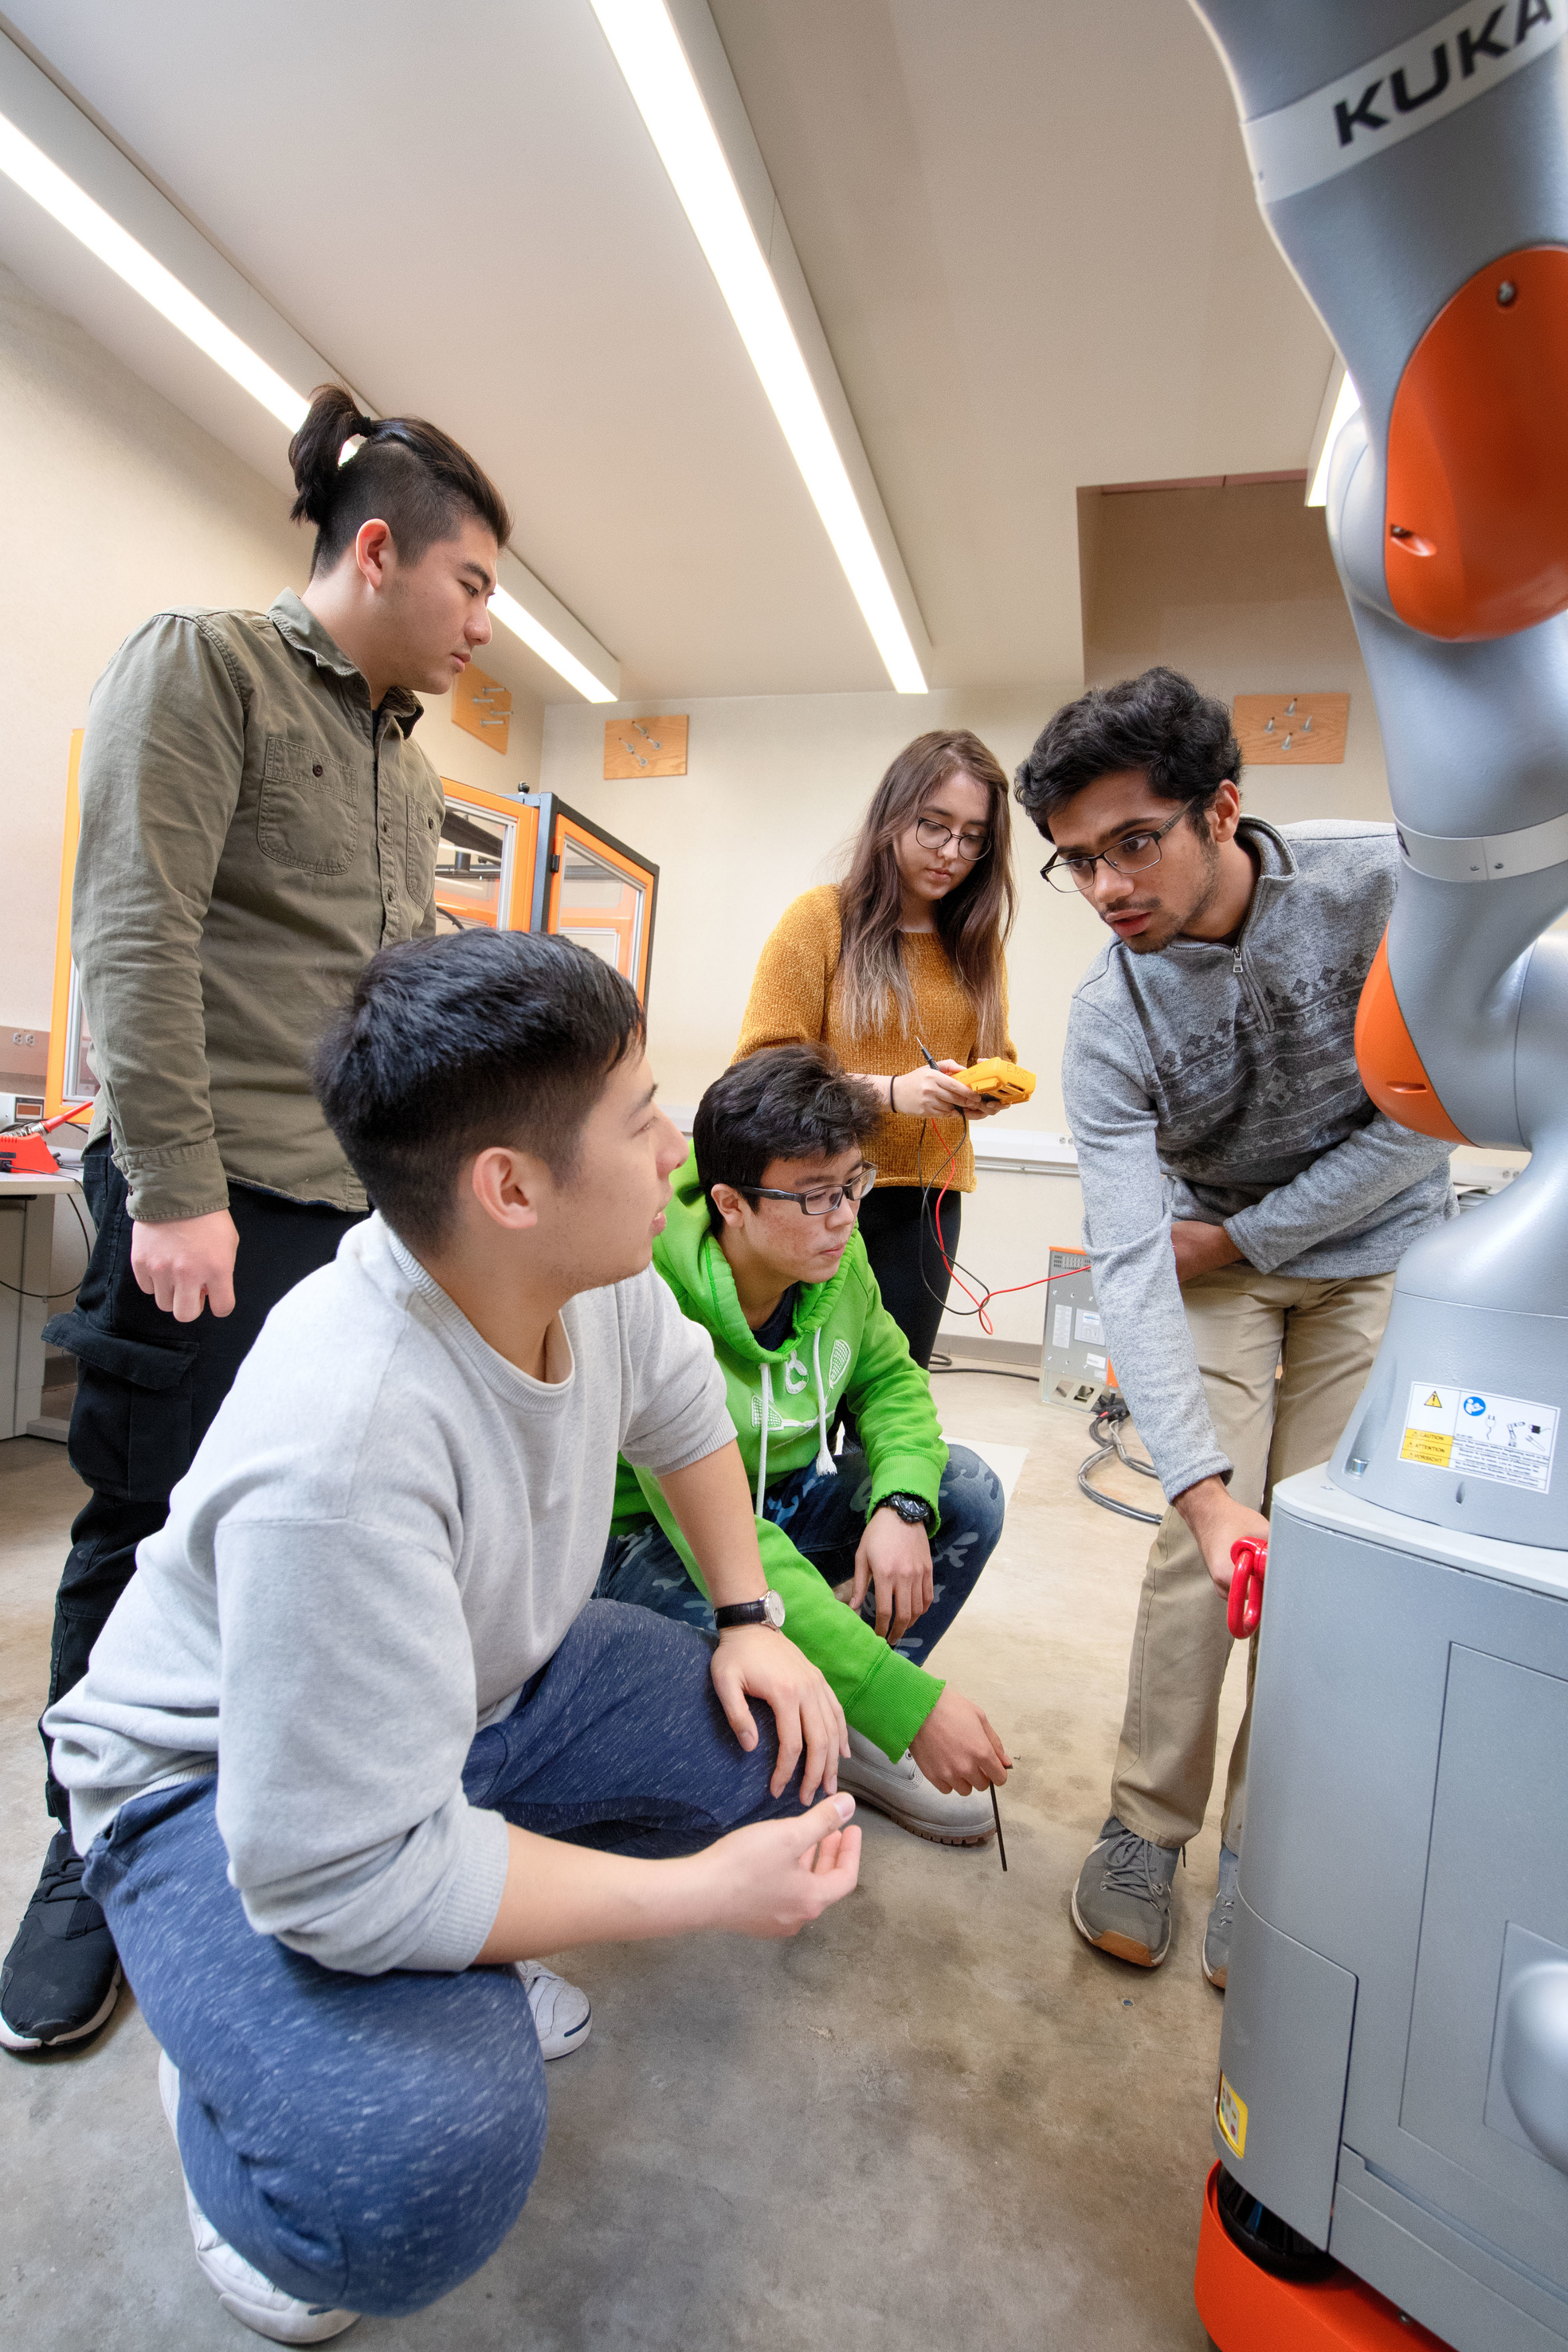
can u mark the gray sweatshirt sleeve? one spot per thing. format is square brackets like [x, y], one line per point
[1338, 1195]
[349, 1837]
[1127, 1230]
[675, 1389]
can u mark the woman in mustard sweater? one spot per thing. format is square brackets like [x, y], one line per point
[907, 952]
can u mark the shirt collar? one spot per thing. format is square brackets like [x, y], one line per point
[294, 622]
[1276, 858]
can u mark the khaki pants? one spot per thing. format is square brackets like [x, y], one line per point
[1324, 1336]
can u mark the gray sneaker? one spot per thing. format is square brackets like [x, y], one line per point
[1122, 1903]
[1217, 1936]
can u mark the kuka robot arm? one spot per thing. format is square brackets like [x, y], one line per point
[1412, 168]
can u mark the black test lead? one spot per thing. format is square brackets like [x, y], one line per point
[996, 1816]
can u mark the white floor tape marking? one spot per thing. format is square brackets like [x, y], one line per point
[1007, 1461]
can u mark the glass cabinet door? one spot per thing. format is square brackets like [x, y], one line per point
[484, 868]
[601, 895]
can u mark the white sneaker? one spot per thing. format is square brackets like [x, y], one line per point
[241, 2289]
[562, 2013]
[902, 1792]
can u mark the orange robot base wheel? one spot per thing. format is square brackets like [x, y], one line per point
[1246, 2309]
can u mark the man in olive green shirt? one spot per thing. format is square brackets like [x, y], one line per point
[256, 822]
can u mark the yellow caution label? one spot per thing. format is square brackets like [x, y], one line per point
[1434, 1402]
[1230, 2115]
[1426, 1445]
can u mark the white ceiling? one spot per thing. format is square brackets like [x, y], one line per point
[1027, 225]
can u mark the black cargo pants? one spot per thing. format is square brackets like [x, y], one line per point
[147, 1389]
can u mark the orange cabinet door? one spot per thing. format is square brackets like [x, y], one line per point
[601, 894]
[484, 867]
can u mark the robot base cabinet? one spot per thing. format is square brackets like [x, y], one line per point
[1395, 2055]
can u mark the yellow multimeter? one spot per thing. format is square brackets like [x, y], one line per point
[998, 1080]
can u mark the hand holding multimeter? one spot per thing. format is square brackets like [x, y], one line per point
[998, 1084]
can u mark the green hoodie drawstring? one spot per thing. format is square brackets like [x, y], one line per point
[826, 1466]
[767, 1416]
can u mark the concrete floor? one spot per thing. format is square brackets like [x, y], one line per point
[936, 2120]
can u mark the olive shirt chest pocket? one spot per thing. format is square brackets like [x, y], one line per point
[309, 813]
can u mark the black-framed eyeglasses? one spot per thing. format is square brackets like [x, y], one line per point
[1134, 854]
[822, 1200]
[931, 834]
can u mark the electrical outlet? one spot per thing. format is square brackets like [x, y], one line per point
[24, 1053]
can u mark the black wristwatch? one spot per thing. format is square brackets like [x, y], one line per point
[909, 1507]
[768, 1611]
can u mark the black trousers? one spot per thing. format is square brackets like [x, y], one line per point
[147, 1389]
[899, 1228]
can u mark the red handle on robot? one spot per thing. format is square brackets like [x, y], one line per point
[1244, 1608]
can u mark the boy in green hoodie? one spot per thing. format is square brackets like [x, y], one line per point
[760, 1246]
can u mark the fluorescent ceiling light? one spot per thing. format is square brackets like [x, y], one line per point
[523, 624]
[1345, 409]
[59, 196]
[651, 56]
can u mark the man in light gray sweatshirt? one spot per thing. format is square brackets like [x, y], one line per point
[1245, 1205]
[357, 1741]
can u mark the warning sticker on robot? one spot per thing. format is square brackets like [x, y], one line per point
[1230, 2113]
[1480, 1435]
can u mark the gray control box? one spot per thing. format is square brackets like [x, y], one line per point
[1075, 1369]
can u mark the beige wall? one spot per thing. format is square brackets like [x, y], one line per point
[116, 504]
[1237, 589]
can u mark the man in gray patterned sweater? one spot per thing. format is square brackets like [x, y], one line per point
[1245, 1205]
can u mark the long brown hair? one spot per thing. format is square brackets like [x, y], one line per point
[972, 922]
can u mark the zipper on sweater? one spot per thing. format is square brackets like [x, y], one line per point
[1255, 996]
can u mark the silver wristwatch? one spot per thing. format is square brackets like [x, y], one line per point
[768, 1611]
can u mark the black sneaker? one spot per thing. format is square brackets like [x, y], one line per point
[61, 1977]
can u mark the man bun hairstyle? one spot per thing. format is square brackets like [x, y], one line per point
[1159, 723]
[404, 473]
[450, 1045]
[784, 1102]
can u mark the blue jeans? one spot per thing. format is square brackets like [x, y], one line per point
[369, 2141]
[825, 1518]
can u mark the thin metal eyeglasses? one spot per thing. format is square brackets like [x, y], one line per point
[932, 834]
[1135, 852]
[819, 1202]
